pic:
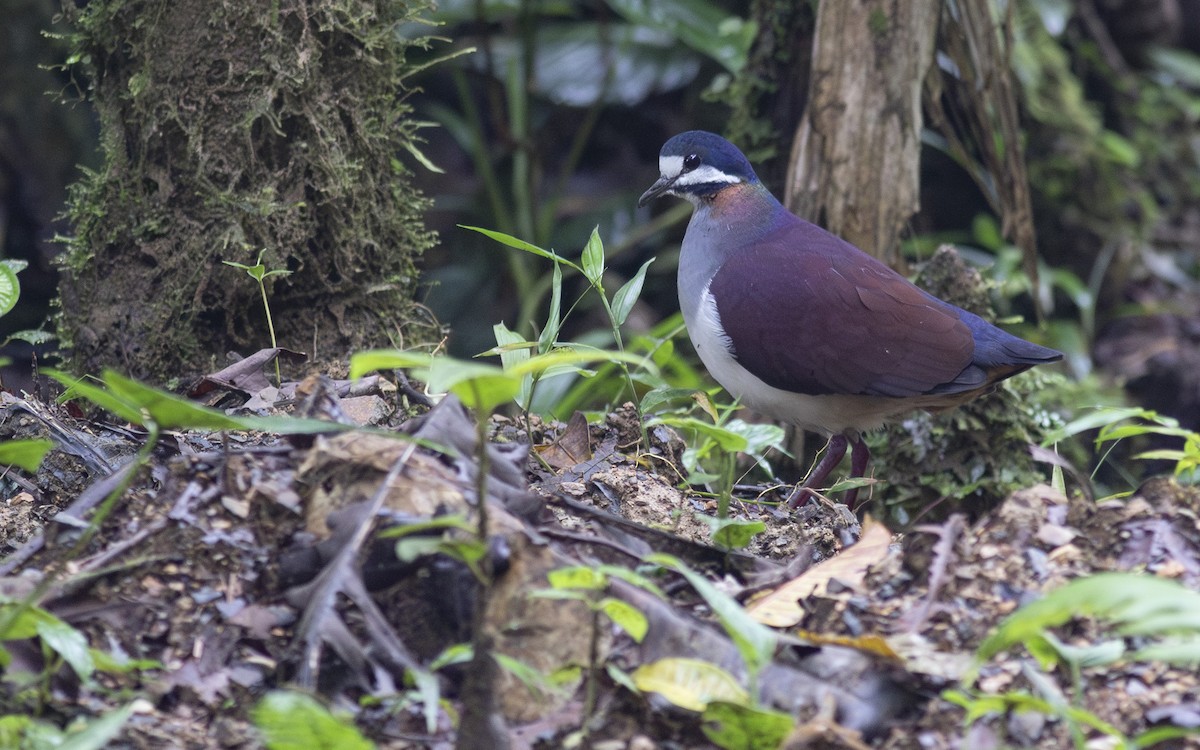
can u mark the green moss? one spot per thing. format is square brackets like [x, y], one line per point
[227, 129]
[877, 22]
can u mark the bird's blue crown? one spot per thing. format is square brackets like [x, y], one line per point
[707, 162]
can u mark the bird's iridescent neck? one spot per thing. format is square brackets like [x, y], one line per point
[746, 203]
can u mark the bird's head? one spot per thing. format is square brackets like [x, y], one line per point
[698, 164]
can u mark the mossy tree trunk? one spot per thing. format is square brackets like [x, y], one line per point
[229, 128]
[856, 153]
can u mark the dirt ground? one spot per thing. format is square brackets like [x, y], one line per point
[239, 562]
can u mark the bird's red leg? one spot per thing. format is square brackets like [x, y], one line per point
[833, 456]
[860, 456]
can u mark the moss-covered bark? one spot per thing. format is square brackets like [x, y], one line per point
[229, 127]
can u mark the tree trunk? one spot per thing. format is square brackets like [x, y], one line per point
[856, 152]
[231, 128]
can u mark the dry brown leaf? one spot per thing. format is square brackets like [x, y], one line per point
[781, 609]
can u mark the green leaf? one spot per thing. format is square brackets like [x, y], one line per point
[732, 533]
[82, 387]
[738, 727]
[659, 397]
[633, 578]
[25, 454]
[626, 616]
[593, 260]
[755, 641]
[513, 242]
[627, 296]
[727, 440]
[34, 337]
[98, 733]
[387, 359]
[1136, 604]
[577, 577]
[479, 386]
[166, 409]
[10, 289]
[702, 25]
[511, 354]
[1100, 418]
[459, 653]
[68, 643]
[293, 721]
[689, 683]
[16, 265]
[549, 335]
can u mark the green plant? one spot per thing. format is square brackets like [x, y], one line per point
[732, 715]
[513, 349]
[259, 273]
[1116, 424]
[17, 731]
[294, 721]
[588, 585]
[1161, 616]
[10, 294]
[517, 90]
[718, 440]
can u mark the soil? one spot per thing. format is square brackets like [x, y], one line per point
[235, 563]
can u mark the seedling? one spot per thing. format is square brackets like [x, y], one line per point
[259, 273]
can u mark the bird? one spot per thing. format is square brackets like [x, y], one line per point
[803, 327]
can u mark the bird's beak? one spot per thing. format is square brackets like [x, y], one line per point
[663, 184]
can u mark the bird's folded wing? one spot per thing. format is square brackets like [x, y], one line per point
[809, 313]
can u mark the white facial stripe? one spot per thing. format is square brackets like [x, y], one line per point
[703, 175]
[669, 166]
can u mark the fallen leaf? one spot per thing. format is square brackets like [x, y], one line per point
[781, 609]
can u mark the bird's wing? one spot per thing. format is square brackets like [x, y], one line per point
[807, 312]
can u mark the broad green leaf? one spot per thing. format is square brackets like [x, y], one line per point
[627, 296]
[732, 533]
[511, 354]
[725, 439]
[578, 356]
[294, 721]
[68, 643]
[387, 359]
[689, 683]
[16, 265]
[592, 260]
[459, 653]
[82, 387]
[702, 25]
[25, 454]
[530, 677]
[34, 337]
[577, 577]
[478, 385]
[734, 726]
[628, 617]
[166, 409]
[633, 578]
[1099, 418]
[549, 335]
[99, 732]
[21, 621]
[659, 397]
[755, 642]
[509, 240]
[10, 289]
[1135, 604]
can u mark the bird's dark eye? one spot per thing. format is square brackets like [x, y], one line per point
[690, 162]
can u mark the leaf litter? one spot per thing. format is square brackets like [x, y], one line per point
[237, 562]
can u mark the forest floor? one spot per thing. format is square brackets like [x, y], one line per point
[239, 562]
